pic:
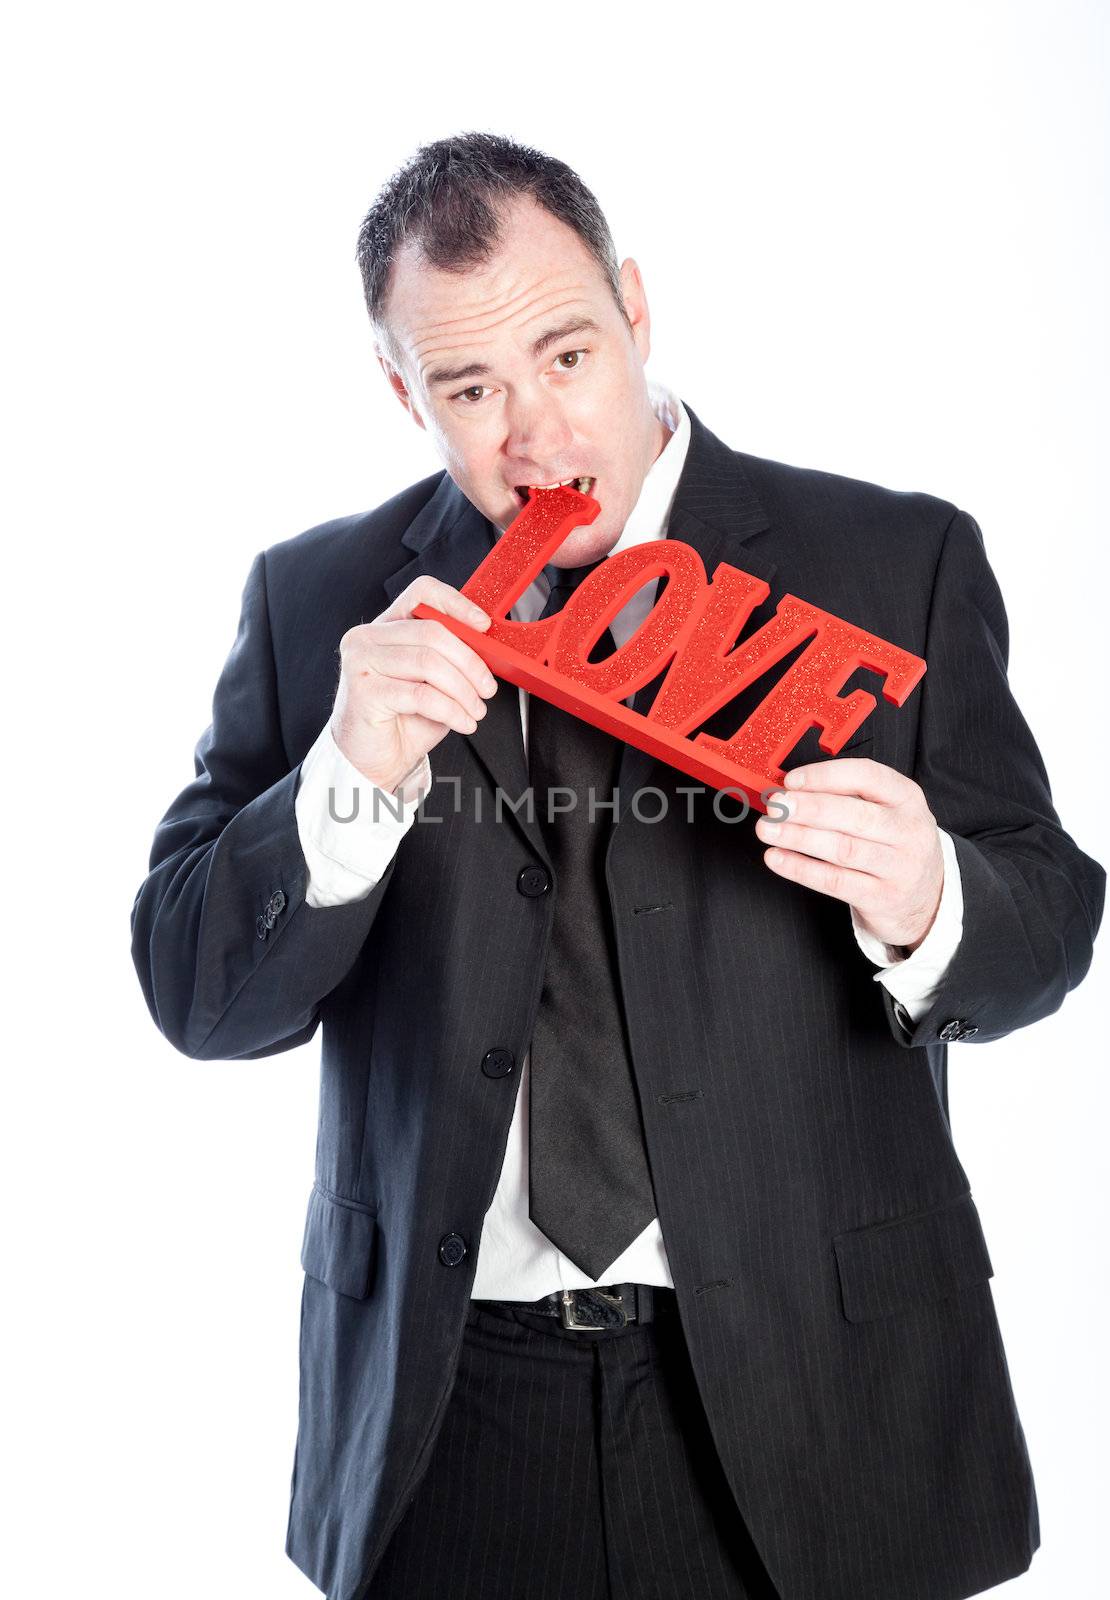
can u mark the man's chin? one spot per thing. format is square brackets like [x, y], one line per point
[583, 546]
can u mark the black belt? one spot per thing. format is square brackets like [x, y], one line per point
[610, 1307]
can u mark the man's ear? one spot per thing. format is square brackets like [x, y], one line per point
[636, 306]
[397, 384]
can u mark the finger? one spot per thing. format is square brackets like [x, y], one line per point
[423, 662]
[434, 592]
[842, 883]
[843, 849]
[412, 697]
[424, 631]
[852, 775]
[840, 813]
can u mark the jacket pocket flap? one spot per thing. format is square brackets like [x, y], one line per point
[922, 1257]
[338, 1245]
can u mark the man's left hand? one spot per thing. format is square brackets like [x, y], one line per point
[863, 833]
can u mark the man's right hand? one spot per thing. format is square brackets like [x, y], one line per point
[406, 681]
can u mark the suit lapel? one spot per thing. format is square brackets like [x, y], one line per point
[715, 509]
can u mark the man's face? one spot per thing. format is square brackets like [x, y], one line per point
[505, 415]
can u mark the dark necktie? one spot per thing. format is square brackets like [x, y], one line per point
[590, 1187]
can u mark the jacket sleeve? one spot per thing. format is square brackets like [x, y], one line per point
[232, 961]
[1032, 899]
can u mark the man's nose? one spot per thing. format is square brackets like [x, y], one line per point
[539, 434]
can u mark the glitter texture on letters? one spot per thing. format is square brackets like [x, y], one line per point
[694, 626]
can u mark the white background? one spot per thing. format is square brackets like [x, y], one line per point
[874, 240]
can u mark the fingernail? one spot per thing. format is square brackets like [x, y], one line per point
[769, 830]
[795, 779]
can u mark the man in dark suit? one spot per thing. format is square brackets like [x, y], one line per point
[639, 1259]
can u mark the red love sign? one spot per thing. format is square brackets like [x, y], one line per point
[694, 626]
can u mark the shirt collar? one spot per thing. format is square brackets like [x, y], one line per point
[650, 515]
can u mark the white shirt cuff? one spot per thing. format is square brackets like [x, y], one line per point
[349, 828]
[913, 980]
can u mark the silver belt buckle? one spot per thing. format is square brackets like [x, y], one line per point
[568, 1308]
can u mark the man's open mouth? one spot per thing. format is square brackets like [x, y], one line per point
[526, 490]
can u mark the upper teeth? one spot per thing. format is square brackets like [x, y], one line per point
[564, 484]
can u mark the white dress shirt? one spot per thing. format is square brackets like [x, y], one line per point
[346, 859]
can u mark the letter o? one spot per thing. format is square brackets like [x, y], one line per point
[604, 593]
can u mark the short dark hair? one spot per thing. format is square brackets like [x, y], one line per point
[449, 199]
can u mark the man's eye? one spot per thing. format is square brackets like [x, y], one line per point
[474, 393]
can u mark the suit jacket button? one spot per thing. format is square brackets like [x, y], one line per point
[452, 1249]
[262, 927]
[953, 1030]
[498, 1062]
[277, 903]
[533, 881]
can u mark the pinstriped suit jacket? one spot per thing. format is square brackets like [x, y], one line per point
[829, 1261]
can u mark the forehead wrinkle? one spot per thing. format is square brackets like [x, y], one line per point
[438, 340]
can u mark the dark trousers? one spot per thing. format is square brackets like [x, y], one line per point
[572, 1466]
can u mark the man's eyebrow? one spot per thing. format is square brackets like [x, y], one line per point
[563, 331]
[478, 369]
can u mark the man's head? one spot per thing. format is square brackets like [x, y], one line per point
[507, 330]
